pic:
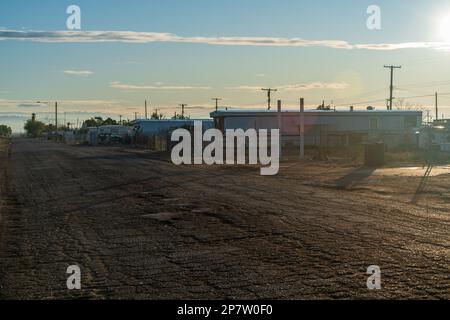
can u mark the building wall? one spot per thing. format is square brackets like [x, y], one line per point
[115, 130]
[291, 124]
[153, 127]
[333, 128]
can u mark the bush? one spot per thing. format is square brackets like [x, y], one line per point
[34, 128]
[5, 131]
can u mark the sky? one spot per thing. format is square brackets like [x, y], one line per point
[188, 51]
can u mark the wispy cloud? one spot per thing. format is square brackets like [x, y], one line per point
[299, 87]
[66, 103]
[315, 85]
[148, 37]
[29, 105]
[123, 86]
[84, 73]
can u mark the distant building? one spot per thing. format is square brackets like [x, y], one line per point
[437, 134]
[442, 123]
[157, 127]
[109, 134]
[155, 134]
[328, 127]
[115, 130]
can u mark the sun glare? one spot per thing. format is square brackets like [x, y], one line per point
[444, 28]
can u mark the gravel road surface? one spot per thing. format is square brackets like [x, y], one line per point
[141, 228]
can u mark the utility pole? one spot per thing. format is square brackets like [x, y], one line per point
[56, 116]
[146, 115]
[302, 129]
[437, 107]
[183, 106]
[120, 119]
[269, 96]
[391, 97]
[56, 120]
[135, 115]
[280, 127]
[217, 102]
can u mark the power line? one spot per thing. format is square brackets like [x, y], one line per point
[362, 95]
[382, 100]
[342, 101]
[427, 84]
[360, 103]
[411, 91]
[443, 97]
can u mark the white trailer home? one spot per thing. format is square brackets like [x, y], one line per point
[327, 127]
[155, 134]
[157, 127]
[108, 134]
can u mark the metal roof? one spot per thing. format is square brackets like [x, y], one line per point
[255, 112]
[162, 121]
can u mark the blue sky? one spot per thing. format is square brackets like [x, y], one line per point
[115, 77]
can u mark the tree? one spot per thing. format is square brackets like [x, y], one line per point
[5, 131]
[110, 122]
[34, 128]
[98, 121]
[93, 122]
[157, 116]
[401, 104]
[180, 117]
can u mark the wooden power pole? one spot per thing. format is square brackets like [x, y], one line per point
[391, 96]
[269, 96]
[217, 102]
[183, 106]
[146, 114]
[436, 105]
[302, 128]
[56, 120]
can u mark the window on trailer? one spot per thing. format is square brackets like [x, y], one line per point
[411, 122]
[373, 124]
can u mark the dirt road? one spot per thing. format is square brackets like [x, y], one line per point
[142, 228]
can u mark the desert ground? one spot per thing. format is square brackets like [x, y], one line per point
[140, 227]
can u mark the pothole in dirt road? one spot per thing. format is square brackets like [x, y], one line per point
[167, 216]
[202, 210]
[164, 216]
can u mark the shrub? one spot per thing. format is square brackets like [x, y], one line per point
[5, 131]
